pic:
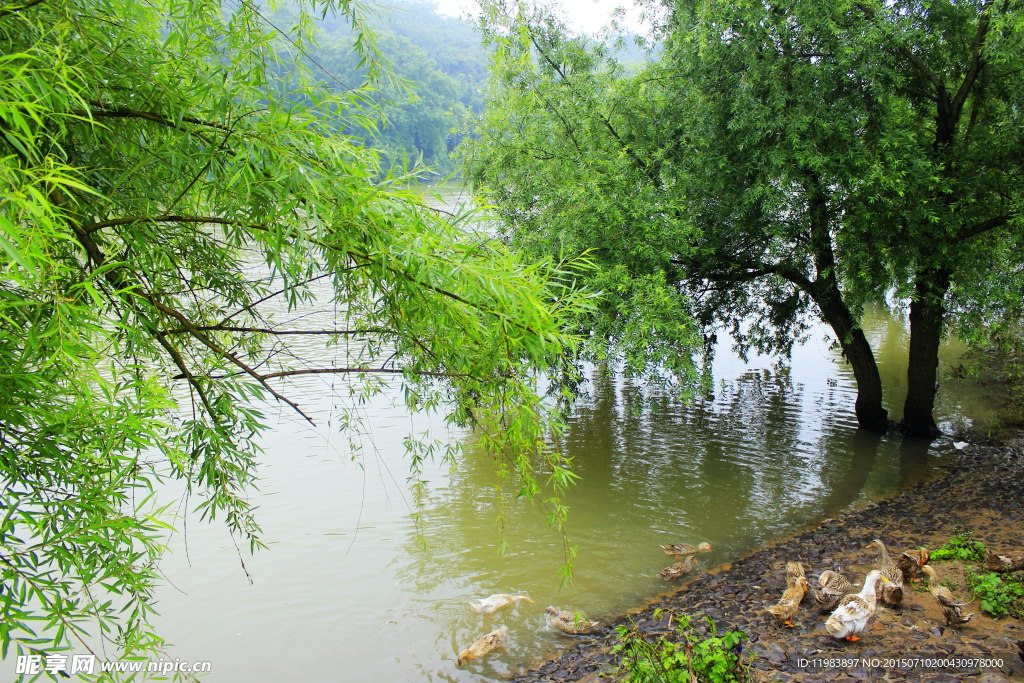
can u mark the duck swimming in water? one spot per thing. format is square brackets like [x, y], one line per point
[678, 570]
[483, 645]
[567, 622]
[680, 550]
[493, 603]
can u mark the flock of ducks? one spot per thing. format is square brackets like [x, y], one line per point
[852, 611]
[680, 551]
[564, 621]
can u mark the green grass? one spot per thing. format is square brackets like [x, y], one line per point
[710, 658]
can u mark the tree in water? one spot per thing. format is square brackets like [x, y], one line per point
[943, 215]
[763, 166]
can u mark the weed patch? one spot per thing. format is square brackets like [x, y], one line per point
[960, 547]
[706, 658]
[999, 596]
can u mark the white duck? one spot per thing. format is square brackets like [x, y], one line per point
[854, 611]
[493, 603]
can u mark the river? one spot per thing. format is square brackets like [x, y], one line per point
[353, 589]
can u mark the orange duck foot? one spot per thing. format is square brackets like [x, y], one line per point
[852, 638]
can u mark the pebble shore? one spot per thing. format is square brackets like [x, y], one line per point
[983, 492]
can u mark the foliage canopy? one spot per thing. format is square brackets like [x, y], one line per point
[166, 172]
[780, 160]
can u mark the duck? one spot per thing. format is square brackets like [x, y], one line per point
[493, 603]
[833, 587]
[1004, 563]
[794, 570]
[951, 609]
[678, 570]
[679, 550]
[854, 611]
[483, 645]
[567, 622]
[789, 603]
[892, 588]
[911, 561]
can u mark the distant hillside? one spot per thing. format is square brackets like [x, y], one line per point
[440, 56]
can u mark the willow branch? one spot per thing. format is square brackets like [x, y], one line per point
[265, 330]
[223, 353]
[984, 226]
[906, 52]
[14, 10]
[102, 111]
[336, 371]
[366, 258]
[972, 74]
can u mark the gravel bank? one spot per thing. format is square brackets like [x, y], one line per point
[983, 493]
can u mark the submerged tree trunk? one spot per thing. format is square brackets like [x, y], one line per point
[870, 413]
[926, 313]
[827, 295]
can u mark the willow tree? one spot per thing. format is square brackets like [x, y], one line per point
[551, 153]
[779, 159]
[940, 220]
[156, 194]
[697, 196]
[883, 139]
[880, 142]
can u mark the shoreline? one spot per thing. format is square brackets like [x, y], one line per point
[982, 492]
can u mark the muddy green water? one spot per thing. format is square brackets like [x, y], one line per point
[351, 591]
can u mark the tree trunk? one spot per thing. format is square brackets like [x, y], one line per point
[829, 298]
[870, 413]
[926, 314]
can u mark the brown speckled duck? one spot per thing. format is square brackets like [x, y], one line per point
[911, 561]
[892, 587]
[834, 587]
[1012, 562]
[794, 570]
[951, 609]
[789, 603]
[681, 550]
[483, 645]
[567, 622]
[678, 570]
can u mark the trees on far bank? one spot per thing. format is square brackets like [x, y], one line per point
[776, 160]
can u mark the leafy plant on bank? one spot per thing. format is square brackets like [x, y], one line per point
[999, 596]
[960, 547]
[161, 194]
[707, 658]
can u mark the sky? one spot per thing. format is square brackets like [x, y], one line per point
[588, 16]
